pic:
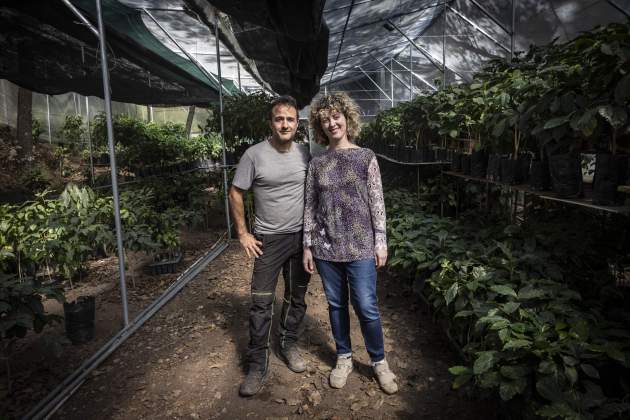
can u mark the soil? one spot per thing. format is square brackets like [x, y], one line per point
[187, 361]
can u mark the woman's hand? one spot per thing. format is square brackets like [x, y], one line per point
[380, 255]
[307, 261]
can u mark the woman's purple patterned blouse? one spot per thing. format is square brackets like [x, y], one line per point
[344, 213]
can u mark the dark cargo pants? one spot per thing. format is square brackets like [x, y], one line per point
[280, 252]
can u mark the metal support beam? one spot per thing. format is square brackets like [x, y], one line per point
[616, 6]
[415, 74]
[89, 139]
[444, 23]
[478, 28]
[410, 72]
[238, 74]
[112, 160]
[47, 118]
[197, 64]
[419, 48]
[341, 42]
[225, 175]
[491, 17]
[513, 33]
[375, 84]
[82, 18]
[391, 72]
[391, 79]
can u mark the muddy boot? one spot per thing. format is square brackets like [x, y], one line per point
[385, 377]
[339, 375]
[252, 383]
[292, 358]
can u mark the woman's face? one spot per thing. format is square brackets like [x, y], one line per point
[334, 125]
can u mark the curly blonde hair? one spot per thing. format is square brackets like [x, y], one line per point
[340, 102]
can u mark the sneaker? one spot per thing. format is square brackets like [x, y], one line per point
[339, 375]
[292, 358]
[385, 377]
[252, 383]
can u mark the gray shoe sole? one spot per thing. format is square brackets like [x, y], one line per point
[251, 393]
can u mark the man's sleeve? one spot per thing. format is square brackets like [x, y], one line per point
[244, 176]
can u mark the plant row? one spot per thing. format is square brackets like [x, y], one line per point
[550, 103]
[531, 307]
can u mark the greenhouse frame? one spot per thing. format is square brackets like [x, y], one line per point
[427, 77]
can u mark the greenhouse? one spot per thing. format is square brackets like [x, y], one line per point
[455, 171]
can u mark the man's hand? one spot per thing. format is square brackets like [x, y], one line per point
[381, 257]
[307, 261]
[250, 244]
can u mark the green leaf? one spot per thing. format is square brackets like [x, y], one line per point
[464, 314]
[571, 374]
[590, 370]
[560, 409]
[460, 370]
[556, 122]
[615, 116]
[517, 344]
[503, 290]
[508, 389]
[485, 361]
[616, 354]
[515, 372]
[530, 293]
[451, 293]
[461, 380]
[510, 307]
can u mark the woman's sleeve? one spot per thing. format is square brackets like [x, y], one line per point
[377, 205]
[310, 205]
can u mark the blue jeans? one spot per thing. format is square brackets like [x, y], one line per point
[360, 278]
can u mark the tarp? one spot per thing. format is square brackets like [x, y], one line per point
[44, 48]
[284, 42]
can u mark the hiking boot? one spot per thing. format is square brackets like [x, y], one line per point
[385, 377]
[292, 358]
[252, 383]
[339, 375]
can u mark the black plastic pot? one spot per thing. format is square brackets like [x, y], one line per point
[428, 155]
[165, 264]
[509, 171]
[456, 162]
[407, 153]
[466, 164]
[478, 164]
[79, 319]
[417, 155]
[441, 154]
[610, 171]
[392, 150]
[566, 175]
[539, 175]
[524, 162]
[493, 171]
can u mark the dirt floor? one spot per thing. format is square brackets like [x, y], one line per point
[187, 361]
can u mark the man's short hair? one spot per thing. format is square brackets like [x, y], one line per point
[285, 100]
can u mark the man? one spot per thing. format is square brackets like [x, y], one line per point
[275, 170]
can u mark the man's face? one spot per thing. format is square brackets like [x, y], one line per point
[283, 123]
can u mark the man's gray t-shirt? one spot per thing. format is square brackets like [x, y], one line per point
[277, 180]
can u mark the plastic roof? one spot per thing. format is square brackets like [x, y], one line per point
[475, 30]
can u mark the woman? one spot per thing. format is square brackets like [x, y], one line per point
[344, 233]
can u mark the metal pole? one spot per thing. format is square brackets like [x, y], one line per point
[478, 28]
[419, 77]
[225, 182]
[444, 46]
[89, 137]
[391, 78]
[238, 73]
[48, 118]
[619, 9]
[391, 72]
[513, 33]
[81, 17]
[112, 158]
[410, 72]
[375, 84]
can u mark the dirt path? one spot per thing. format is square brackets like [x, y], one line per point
[186, 362]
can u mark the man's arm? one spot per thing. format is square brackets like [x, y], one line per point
[247, 240]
